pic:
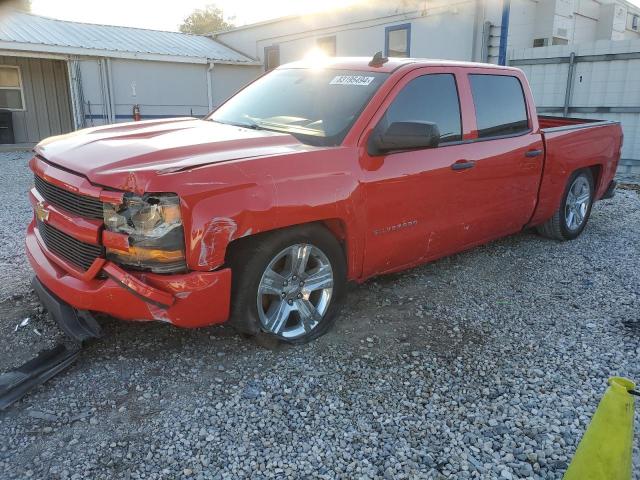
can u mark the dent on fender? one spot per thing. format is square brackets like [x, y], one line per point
[217, 234]
[131, 184]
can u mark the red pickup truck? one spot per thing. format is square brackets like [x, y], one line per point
[311, 176]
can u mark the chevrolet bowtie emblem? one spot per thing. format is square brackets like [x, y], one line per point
[42, 213]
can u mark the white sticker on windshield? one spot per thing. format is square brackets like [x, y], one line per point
[351, 80]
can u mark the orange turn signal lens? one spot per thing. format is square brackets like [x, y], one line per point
[141, 254]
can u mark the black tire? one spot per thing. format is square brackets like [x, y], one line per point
[556, 227]
[249, 259]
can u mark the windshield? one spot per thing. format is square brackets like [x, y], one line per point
[316, 106]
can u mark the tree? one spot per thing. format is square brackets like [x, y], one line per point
[205, 21]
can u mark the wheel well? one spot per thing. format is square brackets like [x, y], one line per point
[596, 171]
[335, 226]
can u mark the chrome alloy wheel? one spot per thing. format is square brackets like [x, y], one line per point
[577, 204]
[295, 291]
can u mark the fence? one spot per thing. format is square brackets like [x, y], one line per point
[595, 80]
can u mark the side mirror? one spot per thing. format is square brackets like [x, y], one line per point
[405, 136]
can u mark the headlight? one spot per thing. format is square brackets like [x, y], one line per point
[154, 226]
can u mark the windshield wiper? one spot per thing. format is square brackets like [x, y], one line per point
[252, 126]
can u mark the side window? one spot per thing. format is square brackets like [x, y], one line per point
[11, 88]
[500, 105]
[430, 98]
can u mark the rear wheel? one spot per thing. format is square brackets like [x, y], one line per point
[288, 283]
[572, 216]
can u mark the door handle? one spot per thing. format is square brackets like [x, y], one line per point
[533, 153]
[463, 165]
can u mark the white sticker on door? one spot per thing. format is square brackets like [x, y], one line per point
[351, 80]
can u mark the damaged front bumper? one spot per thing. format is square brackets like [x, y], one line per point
[188, 300]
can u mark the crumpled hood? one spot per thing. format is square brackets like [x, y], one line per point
[106, 155]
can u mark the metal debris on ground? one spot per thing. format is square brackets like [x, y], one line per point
[22, 324]
[16, 383]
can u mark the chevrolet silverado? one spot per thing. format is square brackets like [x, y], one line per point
[311, 176]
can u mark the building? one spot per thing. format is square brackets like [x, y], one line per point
[457, 30]
[57, 76]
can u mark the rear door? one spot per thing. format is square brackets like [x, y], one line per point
[500, 191]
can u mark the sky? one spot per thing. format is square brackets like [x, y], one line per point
[168, 14]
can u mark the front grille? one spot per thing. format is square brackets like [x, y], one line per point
[74, 251]
[72, 202]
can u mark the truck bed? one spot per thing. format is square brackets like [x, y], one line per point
[547, 122]
[572, 144]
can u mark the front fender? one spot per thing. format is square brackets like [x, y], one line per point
[265, 194]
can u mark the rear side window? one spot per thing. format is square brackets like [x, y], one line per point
[430, 98]
[500, 105]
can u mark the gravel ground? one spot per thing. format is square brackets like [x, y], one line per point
[488, 364]
[14, 185]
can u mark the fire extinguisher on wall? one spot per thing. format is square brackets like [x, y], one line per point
[136, 113]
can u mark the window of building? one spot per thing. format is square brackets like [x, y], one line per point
[635, 21]
[271, 57]
[540, 42]
[429, 98]
[397, 41]
[500, 105]
[327, 45]
[11, 88]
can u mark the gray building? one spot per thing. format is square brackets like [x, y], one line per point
[58, 76]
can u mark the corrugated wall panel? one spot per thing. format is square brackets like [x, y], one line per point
[604, 84]
[61, 78]
[50, 95]
[40, 97]
[46, 99]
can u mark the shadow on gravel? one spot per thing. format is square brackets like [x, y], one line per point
[393, 313]
[633, 326]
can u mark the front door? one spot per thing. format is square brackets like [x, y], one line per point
[413, 208]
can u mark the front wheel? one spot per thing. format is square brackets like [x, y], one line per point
[572, 216]
[288, 283]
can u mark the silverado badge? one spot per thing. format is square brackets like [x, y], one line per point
[42, 213]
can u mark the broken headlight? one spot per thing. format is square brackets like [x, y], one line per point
[154, 226]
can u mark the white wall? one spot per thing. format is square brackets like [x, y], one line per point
[161, 89]
[439, 29]
[522, 23]
[228, 79]
[443, 30]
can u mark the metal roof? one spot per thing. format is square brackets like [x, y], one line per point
[25, 31]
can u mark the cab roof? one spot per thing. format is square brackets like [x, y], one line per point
[392, 64]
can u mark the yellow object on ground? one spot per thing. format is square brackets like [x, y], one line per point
[605, 451]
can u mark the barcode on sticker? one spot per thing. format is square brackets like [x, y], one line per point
[351, 80]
